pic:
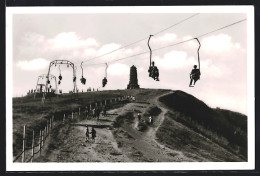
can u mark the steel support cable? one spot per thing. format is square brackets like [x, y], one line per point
[202, 35]
[144, 38]
[198, 51]
[150, 50]
[106, 70]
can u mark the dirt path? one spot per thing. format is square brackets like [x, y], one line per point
[123, 144]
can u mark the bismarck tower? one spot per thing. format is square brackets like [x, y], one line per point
[133, 82]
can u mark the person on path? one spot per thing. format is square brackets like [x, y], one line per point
[94, 112]
[139, 116]
[93, 132]
[98, 113]
[86, 111]
[87, 135]
[104, 111]
[151, 120]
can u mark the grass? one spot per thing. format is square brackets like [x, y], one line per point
[121, 119]
[227, 128]
[30, 112]
[152, 111]
[179, 137]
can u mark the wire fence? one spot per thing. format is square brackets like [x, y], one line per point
[28, 154]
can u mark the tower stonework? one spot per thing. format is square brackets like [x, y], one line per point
[133, 82]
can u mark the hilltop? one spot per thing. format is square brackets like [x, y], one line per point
[184, 128]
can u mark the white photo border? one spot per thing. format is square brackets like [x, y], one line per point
[250, 165]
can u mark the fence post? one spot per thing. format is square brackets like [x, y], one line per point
[32, 146]
[40, 142]
[105, 102]
[72, 115]
[96, 104]
[90, 108]
[64, 119]
[79, 110]
[50, 123]
[52, 119]
[45, 133]
[24, 143]
[42, 137]
[47, 128]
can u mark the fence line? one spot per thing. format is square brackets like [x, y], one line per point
[43, 134]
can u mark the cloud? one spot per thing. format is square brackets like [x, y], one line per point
[217, 43]
[118, 69]
[108, 48]
[69, 40]
[32, 65]
[212, 70]
[34, 38]
[174, 59]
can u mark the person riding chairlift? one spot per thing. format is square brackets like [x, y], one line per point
[154, 72]
[194, 75]
[104, 82]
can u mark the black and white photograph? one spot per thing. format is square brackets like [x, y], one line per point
[130, 88]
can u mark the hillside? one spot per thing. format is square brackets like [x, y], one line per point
[185, 129]
[226, 128]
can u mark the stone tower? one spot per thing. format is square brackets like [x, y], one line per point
[133, 82]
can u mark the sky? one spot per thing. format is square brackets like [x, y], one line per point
[39, 39]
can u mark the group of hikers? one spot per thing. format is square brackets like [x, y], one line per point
[93, 131]
[95, 112]
[140, 118]
[93, 135]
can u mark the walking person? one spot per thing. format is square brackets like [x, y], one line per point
[94, 112]
[151, 120]
[139, 116]
[86, 111]
[104, 111]
[98, 113]
[87, 135]
[93, 132]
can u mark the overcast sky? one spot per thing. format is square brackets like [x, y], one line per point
[39, 39]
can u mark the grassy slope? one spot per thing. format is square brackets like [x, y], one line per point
[227, 128]
[29, 111]
[224, 127]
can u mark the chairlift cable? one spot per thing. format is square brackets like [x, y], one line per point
[143, 38]
[200, 36]
[176, 24]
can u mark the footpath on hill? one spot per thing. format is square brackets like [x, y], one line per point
[121, 144]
